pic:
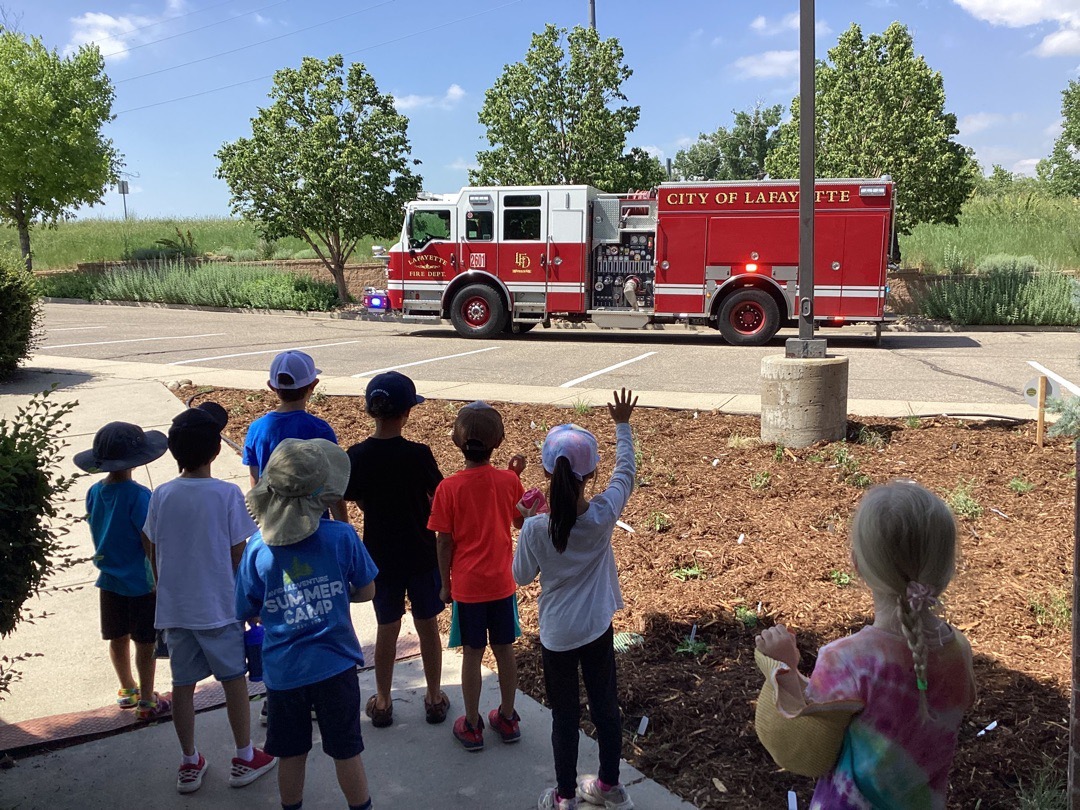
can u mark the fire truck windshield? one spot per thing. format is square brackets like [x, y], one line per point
[427, 225]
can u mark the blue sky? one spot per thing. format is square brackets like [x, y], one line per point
[1005, 63]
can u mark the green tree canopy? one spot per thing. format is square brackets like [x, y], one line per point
[881, 110]
[53, 156]
[732, 154]
[1061, 171]
[557, 117]
[328, 162]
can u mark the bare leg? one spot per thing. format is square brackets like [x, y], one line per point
[146, 665]
[385, 654]
[352, 778]
[120, 655]
[471, 683]
[290, 778]
[238, 708]
[507, 661]
[431, 655]
[183, 715]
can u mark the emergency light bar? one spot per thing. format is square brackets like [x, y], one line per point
[479, 199]
[872, 191]
[375, 300]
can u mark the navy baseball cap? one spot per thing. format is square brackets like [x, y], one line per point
[396, 387]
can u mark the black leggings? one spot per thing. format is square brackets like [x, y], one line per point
[597, 661]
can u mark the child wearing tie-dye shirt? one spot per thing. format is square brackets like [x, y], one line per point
[899, 688]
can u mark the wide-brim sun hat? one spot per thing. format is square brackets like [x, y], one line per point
[302, 478]
[122, 446]
[576, 444]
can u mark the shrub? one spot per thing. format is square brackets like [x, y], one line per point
[19, 312]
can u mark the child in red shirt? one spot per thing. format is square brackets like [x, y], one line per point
[471, 517]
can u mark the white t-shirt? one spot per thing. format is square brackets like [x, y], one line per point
[579, 589]
[193, 524]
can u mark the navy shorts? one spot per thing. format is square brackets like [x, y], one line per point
[336, 701]
[128, 616]
[423, 590]
[479, 621]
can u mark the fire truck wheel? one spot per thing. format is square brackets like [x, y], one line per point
[477, 311]
[749, 317]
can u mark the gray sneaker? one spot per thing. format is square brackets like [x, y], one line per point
[588, 790]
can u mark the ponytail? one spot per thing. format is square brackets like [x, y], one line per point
[563, 501]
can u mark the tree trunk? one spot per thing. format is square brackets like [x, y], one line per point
[24, 243]
[337, 270]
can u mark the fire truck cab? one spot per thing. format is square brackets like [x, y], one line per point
[724, 254]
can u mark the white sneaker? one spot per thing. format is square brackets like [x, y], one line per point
[547, 801]
[189, 777]
[615, 798]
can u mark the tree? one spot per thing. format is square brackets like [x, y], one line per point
[1061, 171]
[881, 110]
[328, 162]
[53, 156]
[1003, 183]
[555, 117]
[735, 154]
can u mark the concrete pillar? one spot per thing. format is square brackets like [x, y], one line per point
[803, 400]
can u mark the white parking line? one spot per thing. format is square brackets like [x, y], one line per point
[1068, 386]
[375, 371]
[130, 340]
[266, 351]
[74, 328]
[572, 383]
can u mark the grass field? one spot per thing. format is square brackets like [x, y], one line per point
[95, 240]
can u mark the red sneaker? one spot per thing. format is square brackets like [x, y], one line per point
[189, 778]
[246, 772]
[507, 728]
[471, 738]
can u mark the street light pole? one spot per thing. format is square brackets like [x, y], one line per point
[592, 14]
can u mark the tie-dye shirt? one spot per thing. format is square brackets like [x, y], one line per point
[889, 758]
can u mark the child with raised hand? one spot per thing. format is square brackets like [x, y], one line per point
[877, 721]
[471, 516]
[116, 510]
[570, 549]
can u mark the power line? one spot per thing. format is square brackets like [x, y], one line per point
[254, 44]
[176, 17]
[190, 31]
[349, 53]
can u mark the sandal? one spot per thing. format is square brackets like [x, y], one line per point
[380, 718]
[436, 712]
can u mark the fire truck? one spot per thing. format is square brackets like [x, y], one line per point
[723, 254]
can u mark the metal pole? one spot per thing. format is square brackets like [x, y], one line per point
[592, 14]
[1074, 706]
[806, 346]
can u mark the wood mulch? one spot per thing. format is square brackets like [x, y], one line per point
[733, 535]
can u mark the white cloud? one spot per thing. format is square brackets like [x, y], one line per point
[1053, 132]
[768, 65]
[462, 165]
[112, 35]
[685, 141]
[1064, 14]
[655, 151]
[977, 122]
[454, 93]
[789, 22]
[1025, 167]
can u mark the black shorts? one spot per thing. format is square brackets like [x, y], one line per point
[128, 616]
[336, 701]
[423, 591]
[479, 620]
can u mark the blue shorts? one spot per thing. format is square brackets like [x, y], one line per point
[198, 654]
[479, 621]
[336, 701]
[423, 591]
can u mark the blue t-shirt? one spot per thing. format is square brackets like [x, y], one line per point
[267, 432]
[300, 593]
[116, 513]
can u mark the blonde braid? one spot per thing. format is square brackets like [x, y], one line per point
[913, 626]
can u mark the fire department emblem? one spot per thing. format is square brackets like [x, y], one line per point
[428, 262]
[522, 260]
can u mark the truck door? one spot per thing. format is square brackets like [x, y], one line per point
[566, 261]
[863, 271]
[522, 237]
[680, 286]
[829, 230]
[432, 256]
[479, 251]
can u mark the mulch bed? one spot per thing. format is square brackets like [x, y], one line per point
[732, 535]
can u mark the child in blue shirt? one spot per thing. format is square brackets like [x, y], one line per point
[116, 509]
[297, 577]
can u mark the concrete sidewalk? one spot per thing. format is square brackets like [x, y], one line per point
[411, 764]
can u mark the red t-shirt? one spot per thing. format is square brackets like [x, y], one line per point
[477, 506]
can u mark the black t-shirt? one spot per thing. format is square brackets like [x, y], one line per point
[394, 480]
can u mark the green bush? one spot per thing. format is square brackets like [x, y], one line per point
[19, 311]
[31, 495]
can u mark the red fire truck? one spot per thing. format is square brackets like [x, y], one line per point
[724, 254]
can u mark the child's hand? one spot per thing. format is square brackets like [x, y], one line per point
[779, 644]
[444, 594]
[528, 511]
[517, 464]
[622, 407]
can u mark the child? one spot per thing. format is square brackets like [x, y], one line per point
[570, 548]
[116, 510]
[471, 517]
[393, 481]
[293, 378]
[297, 576]
[195, 532]
[898, 688]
